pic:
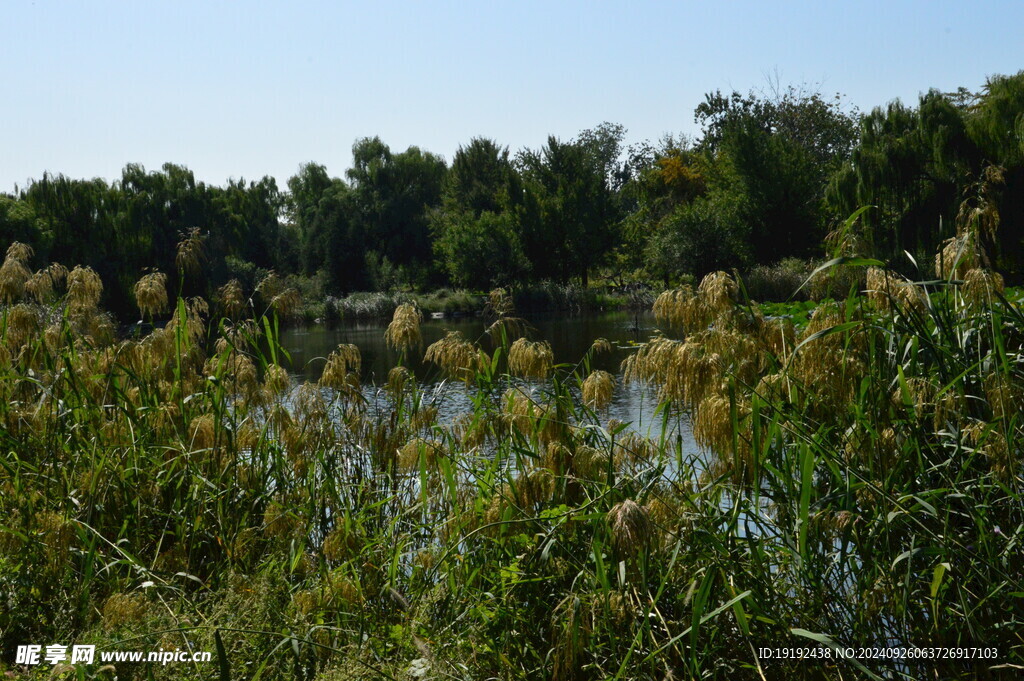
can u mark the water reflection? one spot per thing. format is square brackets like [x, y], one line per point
[570, 337]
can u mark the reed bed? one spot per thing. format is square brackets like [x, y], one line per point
[859, 485]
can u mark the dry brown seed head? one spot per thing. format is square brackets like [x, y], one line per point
[39, 286]
[530, 359]
[342, 362]
[202, 432]
[397, 379]
[403, 333]
[883, 286]
[982, 287]
[84, 289]
[151, 294]
[429, 450]
[682, 309]
[13, 276]
[190, 255]
[122, 608]
[22, 326]
[459, 357]
[19, 251]
[287, 303]
[279, 521]
[630, 526]
[500, 303]
[597, 389]
[957, 256]
[276, 380]
[719, 291]
[309, 403]
[230, 298]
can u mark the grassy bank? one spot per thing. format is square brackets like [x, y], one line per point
[860, 486]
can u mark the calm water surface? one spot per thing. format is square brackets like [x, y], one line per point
[570, 337]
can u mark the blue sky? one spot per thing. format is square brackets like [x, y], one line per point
[246, 89]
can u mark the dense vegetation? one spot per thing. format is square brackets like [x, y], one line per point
[858, 476]
[858, 484]
[770, 176]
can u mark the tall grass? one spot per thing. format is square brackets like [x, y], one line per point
[860, 485]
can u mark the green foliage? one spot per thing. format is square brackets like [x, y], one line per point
[920, 166]
[858, 484]
[776, 155]
[696, 238]
[768, 178]
[467, 241]
[476, 232]
[569, 219]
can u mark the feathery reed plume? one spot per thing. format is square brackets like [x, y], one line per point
[686, 372]
[506, 324]
[195, 310]
[458, 357]
[151, 294]
[397, 379]
[681, 309]
[14, 273]
[190, 254]
[499, 303]
[230, 298]
[981, 287]
[600, 346]
[530, 359]
[279, 521]
[22, 325]
[403, 333]
[342, 362]
[276, 380]
[409, 455]
[122, 609]
[1004, 395]
[597, 389]
[712, 424]
[270, 286]
[651, 362]
[957, 256]
[634, 447]
[287, 302]
[718, 291]
[630, 527]
[309, 403]
[202, 433]
[19, 252]
[341, 542]
[882, 286]
[778, 336]
[529, 418]
[84, 289]
[41, 284]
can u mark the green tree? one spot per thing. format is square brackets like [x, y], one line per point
[568, 221]
[392, 195]
[777, 154]
[475, 230]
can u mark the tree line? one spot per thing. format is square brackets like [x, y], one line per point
[767, 178]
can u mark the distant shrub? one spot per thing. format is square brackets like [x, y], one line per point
[780, 281]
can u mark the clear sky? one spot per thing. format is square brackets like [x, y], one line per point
[246, 89]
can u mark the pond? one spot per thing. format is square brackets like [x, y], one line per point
[570, 337]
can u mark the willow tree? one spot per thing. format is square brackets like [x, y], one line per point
[918, 165]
